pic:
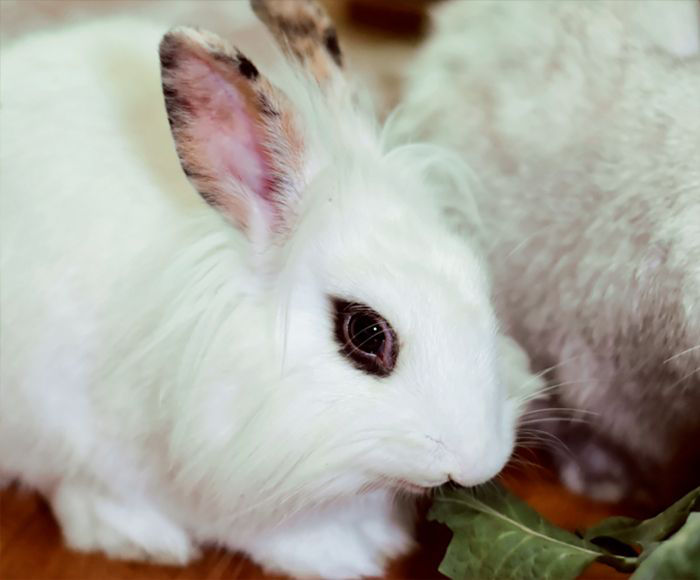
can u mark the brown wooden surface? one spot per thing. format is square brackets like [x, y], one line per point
[31, 546]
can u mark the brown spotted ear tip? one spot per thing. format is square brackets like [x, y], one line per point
[297, 24]
[188, 38]
[184, 39]
[168, 48]
[180, 40]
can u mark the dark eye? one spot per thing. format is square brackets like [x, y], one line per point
[366, 339]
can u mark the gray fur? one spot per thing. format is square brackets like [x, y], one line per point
[585, 133]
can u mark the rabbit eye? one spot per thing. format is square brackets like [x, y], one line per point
[366, 339]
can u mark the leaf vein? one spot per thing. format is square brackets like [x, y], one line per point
[487, 510]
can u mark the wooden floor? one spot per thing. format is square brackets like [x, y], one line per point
[31, 547]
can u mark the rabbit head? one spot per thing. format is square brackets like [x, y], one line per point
[381, 366]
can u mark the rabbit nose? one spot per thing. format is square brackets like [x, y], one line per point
[468, 481]
[475, 473]
[456, 480]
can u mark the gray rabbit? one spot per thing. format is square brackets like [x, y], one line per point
[582, 123]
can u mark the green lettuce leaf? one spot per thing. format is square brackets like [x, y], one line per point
[677, 558]
[646, 533]
[496, 535]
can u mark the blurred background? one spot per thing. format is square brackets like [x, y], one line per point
[378, 36]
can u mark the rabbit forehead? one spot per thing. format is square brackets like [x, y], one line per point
[380, 215]
[406, 280]
[367, 247]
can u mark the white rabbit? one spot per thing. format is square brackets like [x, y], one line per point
[266, 371]
[582, 121]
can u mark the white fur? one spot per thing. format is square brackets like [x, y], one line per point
[167, 383]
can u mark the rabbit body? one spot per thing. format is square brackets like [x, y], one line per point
[64, 282]
[582, 121]
[170, 376]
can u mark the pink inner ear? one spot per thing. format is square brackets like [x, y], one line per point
[224, 131]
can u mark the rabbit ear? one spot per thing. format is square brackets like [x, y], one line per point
[304, 31]
[235, 133]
